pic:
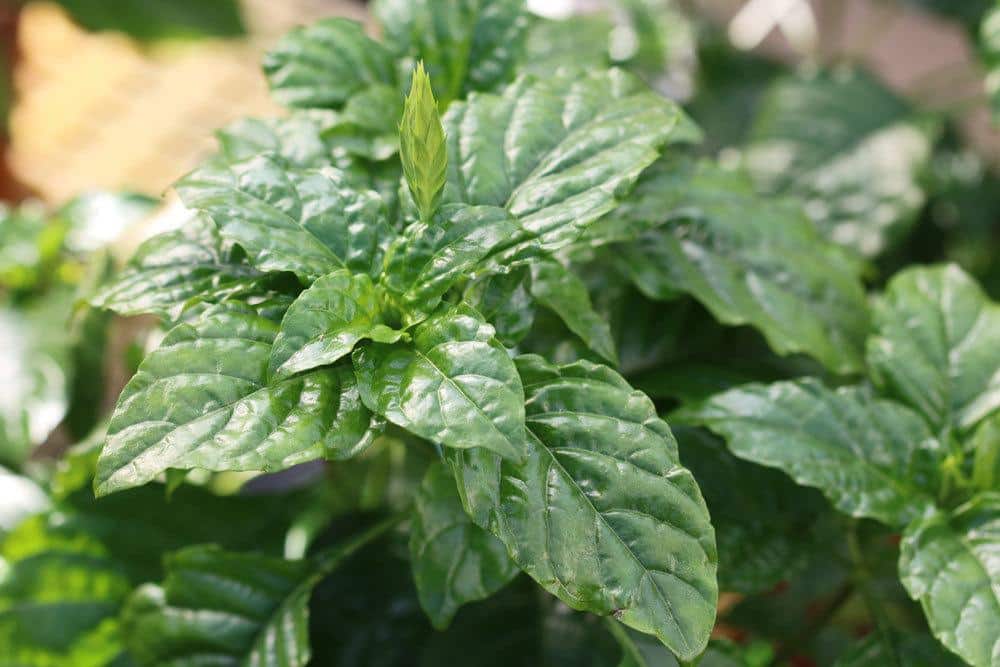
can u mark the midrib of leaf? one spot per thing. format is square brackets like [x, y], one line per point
[451, 381]
[554, 461]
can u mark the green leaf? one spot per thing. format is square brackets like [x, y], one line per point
[296, 138]
[324, 64]
[560, 290]
[936, 346]
[601, 513]
[169, 269]
[429, 258]
[872, 458]
[748, 259]
[589, 137]
[911, 650]
[159, 19]
[581, 40]
[466, 45]
[851, 149]
[218, 607]
[201, 400]
[454, 560]
[948, 561]
[368, 126]
[326, 321]
[304, 221]
[422, 145]
[453, 384]
[985, 447]
[69, 570]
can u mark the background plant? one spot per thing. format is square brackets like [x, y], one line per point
[468, 272]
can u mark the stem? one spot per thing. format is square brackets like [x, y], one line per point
[817, 624]
[863, 580]
[328, 560]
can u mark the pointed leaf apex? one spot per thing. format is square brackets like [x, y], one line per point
[422, 144]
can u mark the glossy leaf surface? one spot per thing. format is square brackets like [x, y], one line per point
[560, 290]
[466, 45]
[325, 322]
[171, 268]
[589, 138]
[429, 258]
[872, 458]
[201, 400]
[949, 562]
[748, 259]
[601, 513]
[936, 346]
[308, 222]
[452, 384]
[218, 607]
[324, 64]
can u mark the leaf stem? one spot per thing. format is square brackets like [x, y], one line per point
[327, 561]
[863, 579]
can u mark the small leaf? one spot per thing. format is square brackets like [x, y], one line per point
[872, 458]
[600, 513]
[325, 322]
[936, 346]
[558, 289]
[171, 268]
[948, 561]
[324, 64]
[306, 221]
[856, 161]
[454, 560]
[453, 384]
[422, 145]
[466, 45]
[749, 260]
[430, 258]
[201, 400]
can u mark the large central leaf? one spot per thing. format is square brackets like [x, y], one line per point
[305, 221]
[601, 513]
[937, 346]
[870, 457]
[950, 562]
[201, 400]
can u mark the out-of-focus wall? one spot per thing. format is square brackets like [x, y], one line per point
[101, 111]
